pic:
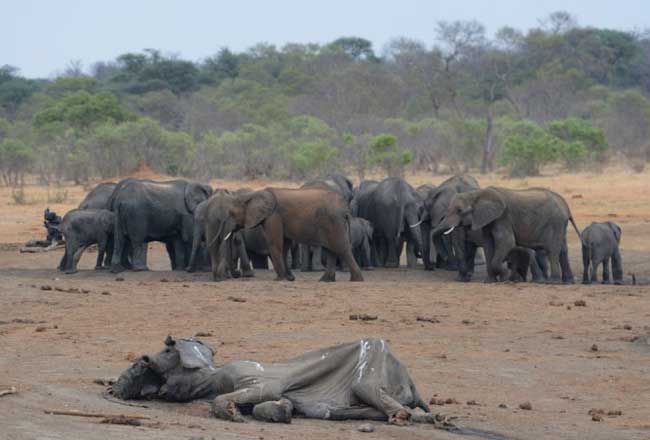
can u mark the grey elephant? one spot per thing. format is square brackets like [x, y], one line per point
[147, 211]
[600, 242]
[82, 228]
[199, 257]
[224, 240]
[535, 218]
[395, 209]
[448, 246]
[361, 232]
[354, 381]
[99, 197]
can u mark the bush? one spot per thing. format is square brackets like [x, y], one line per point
[314, 157]
[385, 153]
[583, 141]
[527, 148]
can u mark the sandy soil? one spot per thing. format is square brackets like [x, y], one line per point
[494, 344]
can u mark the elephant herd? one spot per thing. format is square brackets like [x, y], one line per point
[332, 224]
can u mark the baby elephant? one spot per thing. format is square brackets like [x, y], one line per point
[600, 243]
[82, 228]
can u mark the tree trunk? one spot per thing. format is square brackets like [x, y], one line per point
[486, 162]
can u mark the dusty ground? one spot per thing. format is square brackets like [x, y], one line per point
[493, 344]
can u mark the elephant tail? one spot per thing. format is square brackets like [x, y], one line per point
[575, 227]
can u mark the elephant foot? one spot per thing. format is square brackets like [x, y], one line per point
[618, 282]
[400, 418]
[190, 269]
[392, 265]
[586, 281]
[235, 273]
[605, 282]
[117, 268]
[226, 411]
[70, 271]
[274, 412]
[328, 277]
[553, 281]
[102, 267]
[218, 278]
[290, 277]
[141, 269]
[490, 280]
[464, 278]
[356, 277]
[248, 273]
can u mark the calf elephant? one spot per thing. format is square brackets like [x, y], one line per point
[361, 232]
[82, 228]
[535, 218]
[310, 216]
[225, 243]
[354, 381]
[155, 211]
[600, 243]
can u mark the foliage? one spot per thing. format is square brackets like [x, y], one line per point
[15, 160]
[582, 140]
[527, 148]
[385, 153]
[81, 110]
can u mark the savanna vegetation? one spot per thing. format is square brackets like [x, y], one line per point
[559, 93]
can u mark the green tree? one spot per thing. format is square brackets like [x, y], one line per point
[81, 110]
[527, 148]
[386, 154]
[15, 160]
[582, 138]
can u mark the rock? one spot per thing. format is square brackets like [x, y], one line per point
[236, 299]
[85, 291]
[427, 319]
[472, 402]
[46, 287]
[203, 334]
[164, 280]
[467, 322]
[503, 406]
[594, 347]
[526, 406]
[119, 279]
[366, 427]
[106, 292]
[597, 418]
[40, 328]
[580, 303]
[627, 327]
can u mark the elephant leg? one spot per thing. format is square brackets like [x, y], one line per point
[215, 262]
[504, 242]
[226, 406]
[376, 397]
[330, 269]
[586, 261]
[179, 254]
[317, 259]
[278, 411]
[488, 250]
[451, 262]
[295, 256]
[392, 260]
[140, 256]
[556, 272]
[119, 248]
[244, 261]
[75, 259]
[274, 232]
[63, 261]
[348, 259]
[259, 261]
[411, 258]
[101, 251]
[305, 260]
[595, 262]
[71, 247]
[606, 271]
[285, 253]
[617, 267]
[565, 265]
[535, 270]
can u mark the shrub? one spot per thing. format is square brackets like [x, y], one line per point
[385, 153]
[527, 148]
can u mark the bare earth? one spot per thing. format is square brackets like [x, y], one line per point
[494, 344]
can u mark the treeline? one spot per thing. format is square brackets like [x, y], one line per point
[560, 93]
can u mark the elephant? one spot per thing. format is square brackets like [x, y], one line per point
[199, 257]
[310, 216]
[311, 257]
[395, 211]
[359, 380]
[521, 261]
[99, 197]
[82, 228]
[225, 243]
[534, 218]
[436, 204]
[600, 243]
[361, 232]
[147, 211]
[425, 227]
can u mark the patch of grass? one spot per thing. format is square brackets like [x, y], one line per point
[60, 196]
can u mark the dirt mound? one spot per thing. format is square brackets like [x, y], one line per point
[144, 171]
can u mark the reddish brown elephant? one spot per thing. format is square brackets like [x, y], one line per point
[311, 216]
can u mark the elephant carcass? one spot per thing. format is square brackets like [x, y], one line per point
[357, 380]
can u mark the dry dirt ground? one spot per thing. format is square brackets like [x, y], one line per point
[490, 347]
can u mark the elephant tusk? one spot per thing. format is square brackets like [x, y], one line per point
[227, 236]
[415, 225]
[450, 230]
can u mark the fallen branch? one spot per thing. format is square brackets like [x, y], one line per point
[8, 391]
[77, 413]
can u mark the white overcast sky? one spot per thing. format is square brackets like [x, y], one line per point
[41, 37]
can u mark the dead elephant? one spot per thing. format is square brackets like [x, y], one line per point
[358, 380]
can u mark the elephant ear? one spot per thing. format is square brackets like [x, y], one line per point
[616, 229]
[488, 206]
[195, 193]
[194, 354]
[259, 206]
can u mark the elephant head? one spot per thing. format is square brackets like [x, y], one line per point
[616, 230]
[152, 376]
[250, 210]
[196, 193]
[475, 209]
